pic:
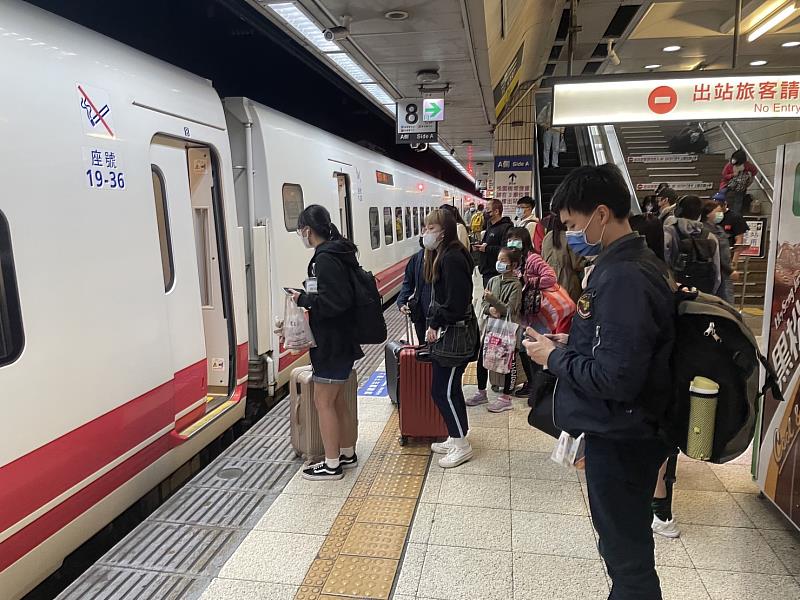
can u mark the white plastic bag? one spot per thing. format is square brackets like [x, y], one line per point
[499, 345]
[568, 450]
[297, 334]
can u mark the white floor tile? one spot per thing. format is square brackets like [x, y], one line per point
[681, 584]
[235, 589]
[421, 525]
[537, 465]
[541, 577]
[452, 573]
[530, 440]
[556, 497]
[722, 585]
[471, 527]
[475, 490]
[411, 569]
[488, 438]
[762, 512]
[671, 552]
[697, 475]
[730, 549]
[301, 514]
[736, 478]
[708, 508]
[786, 545]
[273, 557]
[564, 535]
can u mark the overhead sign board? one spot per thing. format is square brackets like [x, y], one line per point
[433, 109]
[411, 128]
[685, 99]
[508, 82]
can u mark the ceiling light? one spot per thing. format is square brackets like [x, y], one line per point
[758, 63]
[396, 15]
[671, 48]
[771, 23]
[349, 66]
[298, 21]
[377, 92]
[652, 66]
[790, 44]
[427, 75]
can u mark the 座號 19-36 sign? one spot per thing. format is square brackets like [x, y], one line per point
[411, 127]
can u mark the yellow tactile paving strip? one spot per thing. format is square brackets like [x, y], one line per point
[361, 555]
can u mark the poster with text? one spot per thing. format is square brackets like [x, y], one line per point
[779, 454]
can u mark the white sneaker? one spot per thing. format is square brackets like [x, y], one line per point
[456, 456]
[666, 528]
[442, 447]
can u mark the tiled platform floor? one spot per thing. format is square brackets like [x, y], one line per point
[511, 524]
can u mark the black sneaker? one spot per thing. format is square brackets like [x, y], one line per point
[348, 462]
[321, 471]
[495, 388]
[522, 392]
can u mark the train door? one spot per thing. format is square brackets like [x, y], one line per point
[197, 297]
[345, 205]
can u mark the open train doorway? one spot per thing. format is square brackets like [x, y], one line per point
[345, 205]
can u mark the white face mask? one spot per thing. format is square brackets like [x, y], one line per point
[431, 240]
[304, 236]
[501, 267]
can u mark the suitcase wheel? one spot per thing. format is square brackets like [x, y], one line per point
[403, 440]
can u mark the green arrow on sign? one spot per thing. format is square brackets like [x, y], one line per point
[433, 110]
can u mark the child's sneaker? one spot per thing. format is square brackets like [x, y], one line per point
[503, 403]
[479, 398]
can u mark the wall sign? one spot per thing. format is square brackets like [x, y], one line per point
[508, 82]
[662, 158]
[755, 237]
[513, 177]
[687, 99]
[682, 186]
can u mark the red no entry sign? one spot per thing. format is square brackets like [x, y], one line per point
[662, 100]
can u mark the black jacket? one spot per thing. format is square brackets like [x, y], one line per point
[493, 238]
[453, 290]
[414, 284]
[331, 308]
[614, 376]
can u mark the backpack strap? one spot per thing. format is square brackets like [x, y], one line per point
[771, 380]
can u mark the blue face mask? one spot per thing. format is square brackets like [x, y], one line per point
[501, 267]
[576, 240]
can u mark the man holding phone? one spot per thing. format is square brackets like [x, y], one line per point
[614, 379]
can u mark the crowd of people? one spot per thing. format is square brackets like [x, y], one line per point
[582, 296]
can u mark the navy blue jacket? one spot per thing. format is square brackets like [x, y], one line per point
[414, 284]
[614, 376]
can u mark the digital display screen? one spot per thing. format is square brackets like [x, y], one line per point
[384, 178]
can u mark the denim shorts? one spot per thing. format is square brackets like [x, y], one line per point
[332, 373]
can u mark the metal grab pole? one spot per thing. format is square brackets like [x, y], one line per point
[737, 26]
[573, 30]
[744, 281]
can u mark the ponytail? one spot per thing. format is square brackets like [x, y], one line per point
[318, 219]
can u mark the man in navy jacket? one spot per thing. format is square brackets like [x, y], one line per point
[613, 372]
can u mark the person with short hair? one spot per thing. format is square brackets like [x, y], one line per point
[666, 199]
[613, 370]
[525, 216]
[683, 225]
[493, 239]
[477, 223]
[461, 227]
[712, 218]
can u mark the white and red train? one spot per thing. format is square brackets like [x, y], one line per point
[147, 228]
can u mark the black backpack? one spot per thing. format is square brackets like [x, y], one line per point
[694, 265]
[712, 341]
[370, 326]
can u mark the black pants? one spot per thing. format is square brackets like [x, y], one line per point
[420, 328]
[621, 477]
[483, 375]
[528, 366]
[449, 398]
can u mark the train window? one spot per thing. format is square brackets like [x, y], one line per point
[11, 336]
[374, 227]
[416, 221]
[388, 226]
[164, 234]
[398, 223]
[409, 230]
[292, 205]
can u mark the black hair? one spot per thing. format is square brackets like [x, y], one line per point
[453, 211]
[689, 207]
[709, 206]
[446, 220]
[740, 156]
[664, 191]
[522, 234]
[526, 201]
[318, 219]
[480, 207]
[587, 187]
[514, 255]
[554, 225]
[652, 229]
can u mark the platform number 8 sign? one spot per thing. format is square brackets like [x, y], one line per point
[412, 113]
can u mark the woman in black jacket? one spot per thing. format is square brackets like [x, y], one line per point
[331, 308]
[448, 268]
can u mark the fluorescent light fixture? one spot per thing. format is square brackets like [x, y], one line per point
[351, 67]
[652, 66]
[772, 22]
[377, 92]
[671, 48]
[790, 44]
[445, 154]
[298, 21]
[758, 63]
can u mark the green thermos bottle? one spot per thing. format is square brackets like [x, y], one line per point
[703, 395]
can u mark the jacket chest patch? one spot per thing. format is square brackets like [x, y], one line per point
[584, 306]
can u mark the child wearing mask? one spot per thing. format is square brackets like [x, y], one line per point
[502, 298]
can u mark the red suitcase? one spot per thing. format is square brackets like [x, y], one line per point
[419, 416]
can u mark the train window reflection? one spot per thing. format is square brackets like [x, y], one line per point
[408, 222]
[164, 234]
[416, 221]
[374, 227]
[11, 336]
[388, 226]
[292, 205]
[398, 223]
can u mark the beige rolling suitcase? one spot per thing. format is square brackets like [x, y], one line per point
[306, 438]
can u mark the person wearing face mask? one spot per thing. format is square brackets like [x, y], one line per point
[666, 200]
[330, 306]
[493, 238]
[501, 299]
[737, 175]
[525, 216]
[461, 227]
[712, 216]
[613, 371]
[414, 298]
[448, 269]
[690, 250]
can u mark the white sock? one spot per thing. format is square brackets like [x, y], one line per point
[460, 443]
[332, 462]
[348, 452]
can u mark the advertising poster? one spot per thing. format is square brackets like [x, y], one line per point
[779, 454]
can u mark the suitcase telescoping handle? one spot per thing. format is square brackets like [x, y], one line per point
[410, 331]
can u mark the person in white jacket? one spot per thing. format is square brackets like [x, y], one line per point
[551, 137]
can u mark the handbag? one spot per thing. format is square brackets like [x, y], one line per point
[531, 298]
[458, 343]
[540, 399]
